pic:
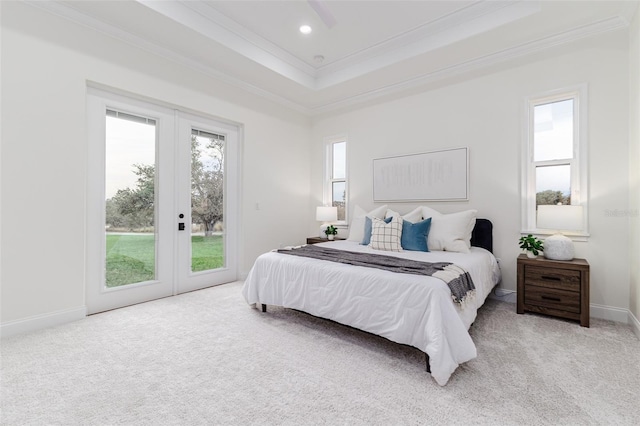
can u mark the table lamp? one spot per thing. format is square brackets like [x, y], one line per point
[325, 215]
[559, 218]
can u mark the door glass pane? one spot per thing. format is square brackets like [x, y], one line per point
[553, 185]
[553, 131]
[207, 200]
[339, 197]
[130, 152]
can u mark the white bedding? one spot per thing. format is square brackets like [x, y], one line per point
[410, 309]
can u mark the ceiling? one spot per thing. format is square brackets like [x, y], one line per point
[357, 51]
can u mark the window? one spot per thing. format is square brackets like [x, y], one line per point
[555, 158]
[336, 175]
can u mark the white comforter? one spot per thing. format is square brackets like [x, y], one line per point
[410, 309]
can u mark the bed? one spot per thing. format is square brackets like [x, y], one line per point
[408, 309]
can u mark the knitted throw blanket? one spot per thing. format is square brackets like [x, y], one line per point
[458, 280]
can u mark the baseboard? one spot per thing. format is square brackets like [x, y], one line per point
[509, 296]
[38, 322]
[635, 324]
[609, 313]
[596, 311]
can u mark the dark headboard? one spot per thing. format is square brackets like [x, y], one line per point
[482, 234]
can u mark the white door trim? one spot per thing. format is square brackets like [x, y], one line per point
[171, 181]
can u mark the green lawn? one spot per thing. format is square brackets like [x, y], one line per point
[131, 258]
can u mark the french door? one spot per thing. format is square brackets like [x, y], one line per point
[161, 202]
[207, 203]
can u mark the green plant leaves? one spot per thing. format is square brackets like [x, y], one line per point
[531, 243]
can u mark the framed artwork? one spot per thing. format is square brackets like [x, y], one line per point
[429, 176]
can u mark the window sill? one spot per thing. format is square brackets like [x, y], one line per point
[542, 234]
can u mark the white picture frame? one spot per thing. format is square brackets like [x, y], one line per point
[430, 176]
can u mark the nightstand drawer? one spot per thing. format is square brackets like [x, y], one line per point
[561, 279]
[552, 298]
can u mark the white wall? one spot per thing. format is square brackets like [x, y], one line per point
[46, 63]
[634, 169]
[486, 114]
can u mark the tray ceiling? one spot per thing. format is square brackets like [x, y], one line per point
[357, 50]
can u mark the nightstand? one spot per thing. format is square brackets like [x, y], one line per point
[316, 240]
[554, 287]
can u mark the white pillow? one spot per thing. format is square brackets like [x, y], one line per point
[386, 236]
[450, 232]
[356, 228]
[391, 213]
[413, 216]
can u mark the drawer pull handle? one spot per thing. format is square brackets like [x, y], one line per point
[547, 277]
[555, 299]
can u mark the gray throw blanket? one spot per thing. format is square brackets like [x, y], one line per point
[458, 280]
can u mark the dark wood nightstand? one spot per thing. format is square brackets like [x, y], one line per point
[316, 240]
[554, 287]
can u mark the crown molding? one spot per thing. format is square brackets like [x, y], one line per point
[113, 31]
[464, 23]
[212, 14]
[65, 11]
[629, 9]
[204, 19]
[603, 26]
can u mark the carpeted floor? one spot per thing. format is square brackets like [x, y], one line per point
[208, 358]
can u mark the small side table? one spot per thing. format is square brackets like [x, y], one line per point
[316, 240]
[554, 287]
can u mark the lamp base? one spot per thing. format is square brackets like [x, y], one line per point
[558, 247]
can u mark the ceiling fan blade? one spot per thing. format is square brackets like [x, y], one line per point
[323, 12]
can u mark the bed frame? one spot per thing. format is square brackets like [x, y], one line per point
[481, 236]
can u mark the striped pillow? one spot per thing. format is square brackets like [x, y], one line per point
[386, 236]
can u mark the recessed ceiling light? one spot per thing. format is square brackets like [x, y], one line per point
[305, 29]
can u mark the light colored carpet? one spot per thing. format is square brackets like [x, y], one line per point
[208, 358]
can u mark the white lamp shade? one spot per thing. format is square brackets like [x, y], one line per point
[326, 214]
[560, 217]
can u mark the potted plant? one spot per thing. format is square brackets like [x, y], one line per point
[531, 245]
[331, 232]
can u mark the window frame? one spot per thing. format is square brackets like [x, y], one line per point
[329, 180]
[578, 163]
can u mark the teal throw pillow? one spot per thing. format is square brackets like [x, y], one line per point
[414, 235]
